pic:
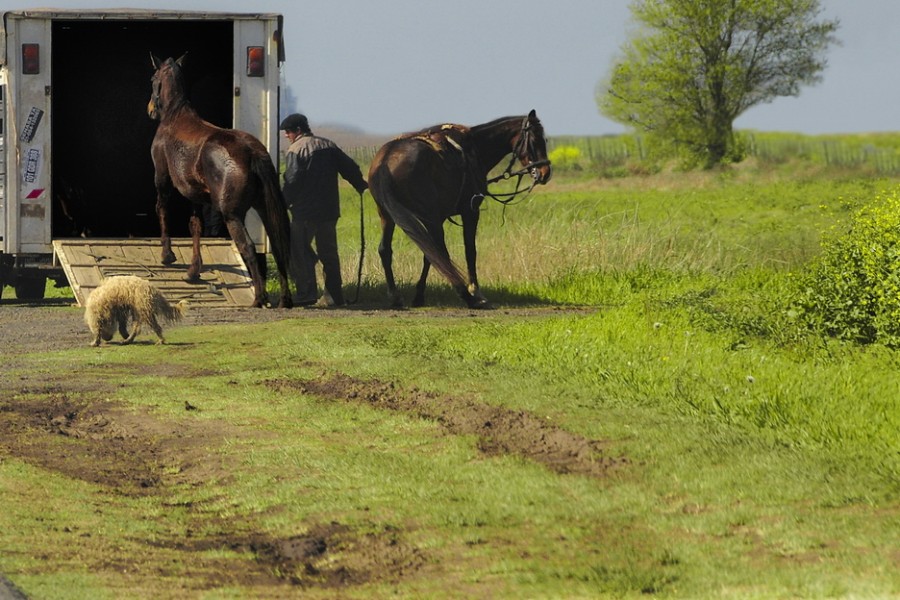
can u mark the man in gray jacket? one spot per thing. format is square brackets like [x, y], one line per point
[312, 165]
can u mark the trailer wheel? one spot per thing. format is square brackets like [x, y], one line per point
[30, 288]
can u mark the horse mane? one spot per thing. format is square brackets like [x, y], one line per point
[535, 122]
[177, 92]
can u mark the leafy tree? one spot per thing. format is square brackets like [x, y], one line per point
[693, 66]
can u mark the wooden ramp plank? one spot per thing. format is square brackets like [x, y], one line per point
[224, 280]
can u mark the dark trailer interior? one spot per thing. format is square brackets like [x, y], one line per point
[101, 133]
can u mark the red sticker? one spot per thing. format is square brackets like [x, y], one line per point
[35, 193]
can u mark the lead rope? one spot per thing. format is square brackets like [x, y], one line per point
[362, 247]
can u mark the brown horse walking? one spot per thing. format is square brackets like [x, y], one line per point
[421, 179]
[207, 164]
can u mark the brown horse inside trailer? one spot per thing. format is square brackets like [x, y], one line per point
[206, 164]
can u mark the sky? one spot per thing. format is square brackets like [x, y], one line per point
[390, 66]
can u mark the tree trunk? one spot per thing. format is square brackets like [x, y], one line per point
[720, 136]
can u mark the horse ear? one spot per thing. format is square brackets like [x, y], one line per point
[155, 62]
[532, 115]
[180, 61]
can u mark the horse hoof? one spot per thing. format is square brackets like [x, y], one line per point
[480, 304]
[191, 278]
[168, 258]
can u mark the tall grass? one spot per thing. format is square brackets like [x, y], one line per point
[693, 277]
[878, 152]
[687, 223]
[619, 155]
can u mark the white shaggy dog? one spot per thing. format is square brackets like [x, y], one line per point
[126, 297]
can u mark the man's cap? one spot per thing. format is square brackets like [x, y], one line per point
[294, 122]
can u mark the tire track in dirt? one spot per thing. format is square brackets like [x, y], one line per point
[499, 430]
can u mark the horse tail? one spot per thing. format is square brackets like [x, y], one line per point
[274, 210]
[381, 185]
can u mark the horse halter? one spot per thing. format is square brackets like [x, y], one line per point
[524, 147]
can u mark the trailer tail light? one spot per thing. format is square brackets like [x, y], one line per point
[31, 59]
[256, 61]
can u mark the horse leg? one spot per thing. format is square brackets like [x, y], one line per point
[242, 240]
[163, 193]
[269, 203]
[282, 257]
[470, 226]
[436, 230]
[196, 227]
[419, 298]
[386, 254]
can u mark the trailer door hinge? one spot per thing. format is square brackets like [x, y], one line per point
[237, 91]
[46, 90]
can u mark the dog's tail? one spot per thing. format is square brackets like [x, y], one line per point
[170, 313]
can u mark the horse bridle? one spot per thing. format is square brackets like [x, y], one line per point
[156, 82]
[157, 100]
[524, 145]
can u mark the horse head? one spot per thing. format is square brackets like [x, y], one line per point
[530, 148]
[167, 86]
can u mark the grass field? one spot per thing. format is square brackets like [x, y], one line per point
[726, 451]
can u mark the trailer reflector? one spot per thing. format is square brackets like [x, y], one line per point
[256, 61]
[31, 59]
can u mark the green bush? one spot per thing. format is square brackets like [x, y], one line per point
[565, 157]
[853, 291]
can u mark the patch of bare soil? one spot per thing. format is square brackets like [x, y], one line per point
[499, 430]
[327, 556]
[59, 324]
[95, 442]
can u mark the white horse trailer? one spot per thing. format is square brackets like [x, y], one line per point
[75, 135]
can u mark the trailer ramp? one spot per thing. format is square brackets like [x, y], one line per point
[225, 280]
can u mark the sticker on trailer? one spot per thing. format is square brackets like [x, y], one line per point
[33, 159]
[31, 124]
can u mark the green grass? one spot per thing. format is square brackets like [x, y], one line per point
[712, 502]
[759, 459]
[682, 223]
